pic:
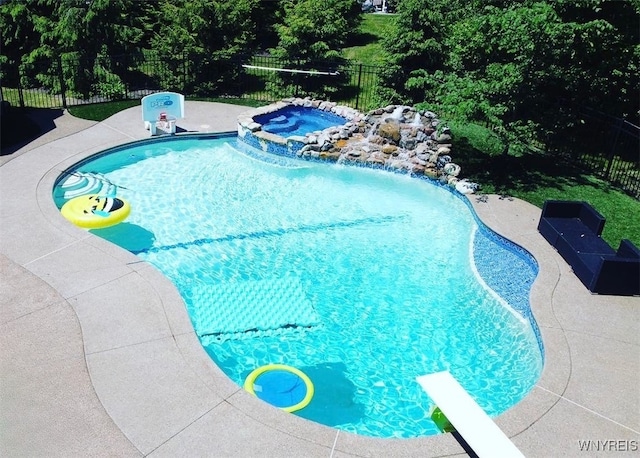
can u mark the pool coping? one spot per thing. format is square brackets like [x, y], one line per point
[157, 338]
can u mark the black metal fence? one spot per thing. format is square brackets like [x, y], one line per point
[69, 82]
[349, 83]
[610, 148]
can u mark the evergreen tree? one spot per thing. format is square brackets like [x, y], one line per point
[311, 37]
[201, 43]
[20, 32]
[77, 38]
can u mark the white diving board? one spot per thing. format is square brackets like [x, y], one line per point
[467, 417]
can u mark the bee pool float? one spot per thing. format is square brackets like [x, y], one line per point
[96, 211]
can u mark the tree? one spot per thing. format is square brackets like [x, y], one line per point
[266, 17]
[416, 47]
[523, 67]
[213, 34]
[77, 38]
[502, 64]
[19, 35]
[604, 67]
[311, 37]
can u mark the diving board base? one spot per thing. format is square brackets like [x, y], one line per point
[467, 417]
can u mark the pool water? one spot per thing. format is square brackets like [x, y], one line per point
[360, 278]
[295, 120]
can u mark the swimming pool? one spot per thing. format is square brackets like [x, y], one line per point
[296, 120]
[376, 265]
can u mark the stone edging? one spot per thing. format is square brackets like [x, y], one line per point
[396, 137]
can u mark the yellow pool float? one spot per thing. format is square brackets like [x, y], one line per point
[96, 211]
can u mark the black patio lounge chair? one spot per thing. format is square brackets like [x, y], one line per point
[574, 229]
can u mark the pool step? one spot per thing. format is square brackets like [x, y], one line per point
[290, 125]
[280, 160]
[82, 183]
[282, 119]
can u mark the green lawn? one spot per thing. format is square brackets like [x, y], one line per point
[101, 111]
[31, 98]
[367, 42]
[536, 177]
[245, 102]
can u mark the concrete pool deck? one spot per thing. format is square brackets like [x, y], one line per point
[99, 357]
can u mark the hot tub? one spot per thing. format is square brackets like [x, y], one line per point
[285, 127]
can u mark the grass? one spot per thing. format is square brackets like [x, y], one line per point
[367, 42]
[245, 102]
[479, 137]
[101, 111]
[536, 177]
[31, 97]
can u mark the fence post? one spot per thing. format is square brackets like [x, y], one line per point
[20, 95]
[127, 84]
[184, 71]
[616, 135]
[62, 85]
[359, 89]
[296, 77]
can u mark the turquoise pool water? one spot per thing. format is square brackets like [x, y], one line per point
[361, 278]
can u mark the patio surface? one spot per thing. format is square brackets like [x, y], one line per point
[99, 357]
